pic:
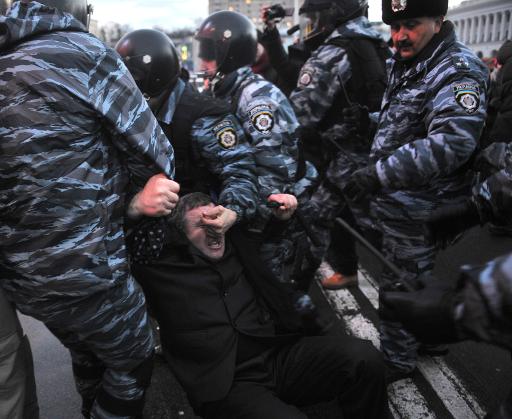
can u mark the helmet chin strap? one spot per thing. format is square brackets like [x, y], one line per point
[215, 80]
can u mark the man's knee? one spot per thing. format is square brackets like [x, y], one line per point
[358, 356]
[368, 359]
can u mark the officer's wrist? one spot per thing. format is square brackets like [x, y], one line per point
[237, 210]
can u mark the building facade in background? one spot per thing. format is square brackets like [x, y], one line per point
[483, 25]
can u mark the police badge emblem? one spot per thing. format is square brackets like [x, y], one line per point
[227, 138]
[467, 95]
[262, 118]
[398, 5]
[305, 78]
[226, 134]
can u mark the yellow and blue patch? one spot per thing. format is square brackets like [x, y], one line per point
[226, 134]
[467, 95]
[262, 118]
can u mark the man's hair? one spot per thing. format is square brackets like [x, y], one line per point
[186, 203]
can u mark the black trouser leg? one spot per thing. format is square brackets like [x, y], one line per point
[317, 369]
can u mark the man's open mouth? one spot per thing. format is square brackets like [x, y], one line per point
[214, 240]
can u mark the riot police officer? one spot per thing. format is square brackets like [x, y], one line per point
[431, 118]
[343, 79]
[78, 141]
[211, 152]
[227, 48]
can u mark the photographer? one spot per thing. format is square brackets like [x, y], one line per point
[286, 64]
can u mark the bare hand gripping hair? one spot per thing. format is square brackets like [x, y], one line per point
[78, 8]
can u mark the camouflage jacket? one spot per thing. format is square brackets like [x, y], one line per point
[485, 302]
[219, 144]
[325, 73]
[431, 118]
[496, 190]
[75, 132]
[270, 124]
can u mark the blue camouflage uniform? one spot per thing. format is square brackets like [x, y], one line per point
[496, 190]
[485, 293]
[270, 124]
[76, 137]
[218, 144]
[323, 90]
[431, 119]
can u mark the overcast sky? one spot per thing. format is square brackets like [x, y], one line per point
[173, 14]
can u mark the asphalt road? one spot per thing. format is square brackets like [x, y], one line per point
[486, 371]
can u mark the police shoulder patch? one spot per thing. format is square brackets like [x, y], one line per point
[467, 95]
[226, 134]
[262, 118]
[305, 77]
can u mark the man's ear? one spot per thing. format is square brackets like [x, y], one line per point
[439, 22]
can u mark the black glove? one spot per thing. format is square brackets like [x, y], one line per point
[491, 159]
[446, 222]
[363, 182]
[429, 314]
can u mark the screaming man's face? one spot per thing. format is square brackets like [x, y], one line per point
[208, 242]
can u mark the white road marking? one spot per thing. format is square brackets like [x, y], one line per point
[459, 402]
[406, 401]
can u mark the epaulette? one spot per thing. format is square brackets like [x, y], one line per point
[460, 63]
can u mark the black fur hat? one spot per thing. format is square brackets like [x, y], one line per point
[393, 10]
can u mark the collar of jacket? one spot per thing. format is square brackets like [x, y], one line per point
[229, 85]
[28, 20]
[437, 45]
[166, 112]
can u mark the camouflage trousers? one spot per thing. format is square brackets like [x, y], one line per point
[111, 346]
[405, 245]
[18, 398]
[328, 202]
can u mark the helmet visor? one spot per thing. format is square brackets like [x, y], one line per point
[309, 24]
[207, 49]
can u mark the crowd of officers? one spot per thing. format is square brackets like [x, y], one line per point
[100, 147]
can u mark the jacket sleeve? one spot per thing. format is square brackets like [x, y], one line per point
[485, 295]
[270, 123]
[319, 83]
[271, 41]
[496, 190]
[135, 132]
[452, 137]
[221, 143]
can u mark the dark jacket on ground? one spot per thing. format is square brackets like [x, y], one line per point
[210, 315]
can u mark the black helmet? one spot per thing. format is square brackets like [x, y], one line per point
[78, 8]
[229, 38]
[152, 59]
[325, 15]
